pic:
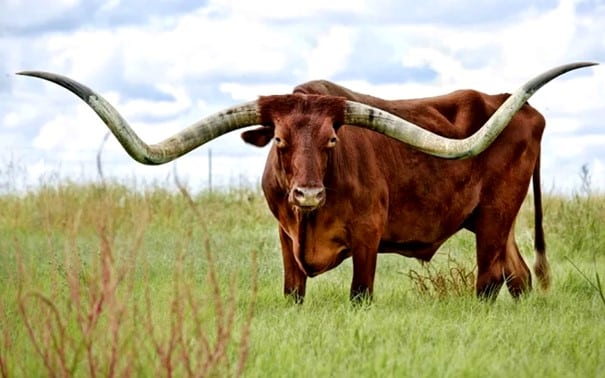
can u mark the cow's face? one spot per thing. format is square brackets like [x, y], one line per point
[303, 131]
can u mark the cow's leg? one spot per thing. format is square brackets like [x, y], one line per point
[516, 271]
[295, 280]
[499, 261]
[491, 253]
[498, 258]
[365, 252]
[364, 269]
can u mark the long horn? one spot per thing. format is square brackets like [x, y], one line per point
[421, 139]
[184, 141]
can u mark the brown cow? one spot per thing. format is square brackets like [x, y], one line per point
[340, 191]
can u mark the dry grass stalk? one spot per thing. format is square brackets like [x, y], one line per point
[453, 280]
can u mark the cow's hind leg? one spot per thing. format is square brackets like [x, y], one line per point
[516, 271]
[489, 279]
[499, 261]
[491, 255]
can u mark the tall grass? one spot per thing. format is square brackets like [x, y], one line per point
[97, 286]
[106, 280]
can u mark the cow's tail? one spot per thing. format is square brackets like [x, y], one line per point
[541, 266]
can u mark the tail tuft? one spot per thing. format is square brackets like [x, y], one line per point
[542, 270]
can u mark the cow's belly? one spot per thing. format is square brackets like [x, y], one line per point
[417, 249]
[419, 232]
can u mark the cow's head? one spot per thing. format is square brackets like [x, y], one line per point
[303, 129]
[297, 124]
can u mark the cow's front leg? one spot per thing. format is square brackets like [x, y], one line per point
[364, 269]
[295, 280]
[364, 250]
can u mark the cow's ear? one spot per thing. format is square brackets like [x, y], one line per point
[259, 137]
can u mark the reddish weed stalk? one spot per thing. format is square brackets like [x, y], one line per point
[455, 280]
[205, 356]
[88, 320]
[5, 343]
[87, 328]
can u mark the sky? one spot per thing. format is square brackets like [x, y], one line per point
[165, 64]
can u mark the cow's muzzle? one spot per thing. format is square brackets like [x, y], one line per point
[307, 199]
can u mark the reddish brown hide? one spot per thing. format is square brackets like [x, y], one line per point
[342, 191]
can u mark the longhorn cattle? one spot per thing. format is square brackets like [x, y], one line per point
[351, 175]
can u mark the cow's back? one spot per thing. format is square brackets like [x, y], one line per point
[454, 115]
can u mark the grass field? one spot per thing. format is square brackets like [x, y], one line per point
[110, 281]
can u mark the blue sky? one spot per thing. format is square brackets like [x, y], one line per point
[165, 64]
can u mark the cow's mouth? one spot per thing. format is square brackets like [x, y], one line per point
[307, 209]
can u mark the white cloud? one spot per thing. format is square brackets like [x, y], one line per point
[332, 52]
[74, 132]
[540, 39]
[284, 10]
[17, 13]
[146, 108]
[240, 92]
[14, 119]
[562, 126]
[200, 45]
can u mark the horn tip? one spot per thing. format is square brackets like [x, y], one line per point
[40, 74]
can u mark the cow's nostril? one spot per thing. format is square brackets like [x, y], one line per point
[321, 194]
[308, 197]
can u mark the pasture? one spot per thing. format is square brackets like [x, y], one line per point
[105, 280]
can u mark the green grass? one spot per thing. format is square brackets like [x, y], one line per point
[110, 281]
